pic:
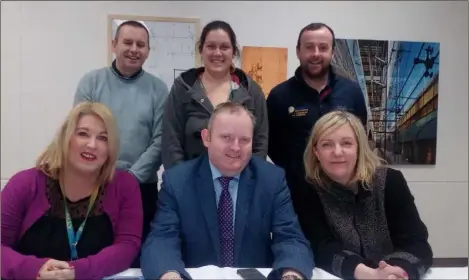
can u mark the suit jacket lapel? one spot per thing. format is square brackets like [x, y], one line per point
[245, 194]
[206, 196]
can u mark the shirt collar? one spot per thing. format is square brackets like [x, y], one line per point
[119, 74]
[217, 174]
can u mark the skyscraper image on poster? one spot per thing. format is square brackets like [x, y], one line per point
[399, 80]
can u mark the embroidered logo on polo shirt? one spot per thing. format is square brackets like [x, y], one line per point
[297, 112]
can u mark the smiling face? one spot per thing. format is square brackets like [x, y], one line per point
[131, 48]
[229, 141]
[88, 150]
[337, 153]
[315, 52]
[217, 51]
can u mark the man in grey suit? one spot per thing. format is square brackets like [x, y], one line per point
[226, 208]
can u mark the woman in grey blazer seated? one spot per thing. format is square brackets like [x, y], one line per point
[358, 214]
[197, 91]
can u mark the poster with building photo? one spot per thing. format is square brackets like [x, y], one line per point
[399, 80]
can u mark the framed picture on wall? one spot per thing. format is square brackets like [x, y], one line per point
[399, 80]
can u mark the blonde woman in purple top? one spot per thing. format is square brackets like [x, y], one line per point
[73, 216]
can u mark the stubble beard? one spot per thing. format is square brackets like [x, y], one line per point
[314, 76]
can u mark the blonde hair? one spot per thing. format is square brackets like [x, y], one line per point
[367, 161]
[52, 160]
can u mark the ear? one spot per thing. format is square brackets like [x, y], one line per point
[298, 52]
[315, 151]
[205, 137]
[114, 43]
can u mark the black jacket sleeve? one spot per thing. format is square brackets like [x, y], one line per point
[409, 235]
[360, 107]
[276, 129]
[328, 251]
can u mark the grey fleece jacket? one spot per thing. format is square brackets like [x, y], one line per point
[187, 113]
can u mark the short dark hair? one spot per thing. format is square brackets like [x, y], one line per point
[315, 26]
[132, 23]
[219, 24]
[231, 108]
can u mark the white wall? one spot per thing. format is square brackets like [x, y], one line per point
[48, 46]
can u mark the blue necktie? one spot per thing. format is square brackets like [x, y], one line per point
[225, 223]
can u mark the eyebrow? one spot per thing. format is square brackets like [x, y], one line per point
[216, 42]
[316, 42]
[343, 138]
[86, 129]
[137, 40]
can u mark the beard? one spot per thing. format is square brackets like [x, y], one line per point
[316, 75]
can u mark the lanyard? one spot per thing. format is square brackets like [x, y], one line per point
[73, 237]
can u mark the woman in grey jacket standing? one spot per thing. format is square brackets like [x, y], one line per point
[197, 91]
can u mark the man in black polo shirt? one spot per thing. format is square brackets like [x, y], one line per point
[295, 105]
